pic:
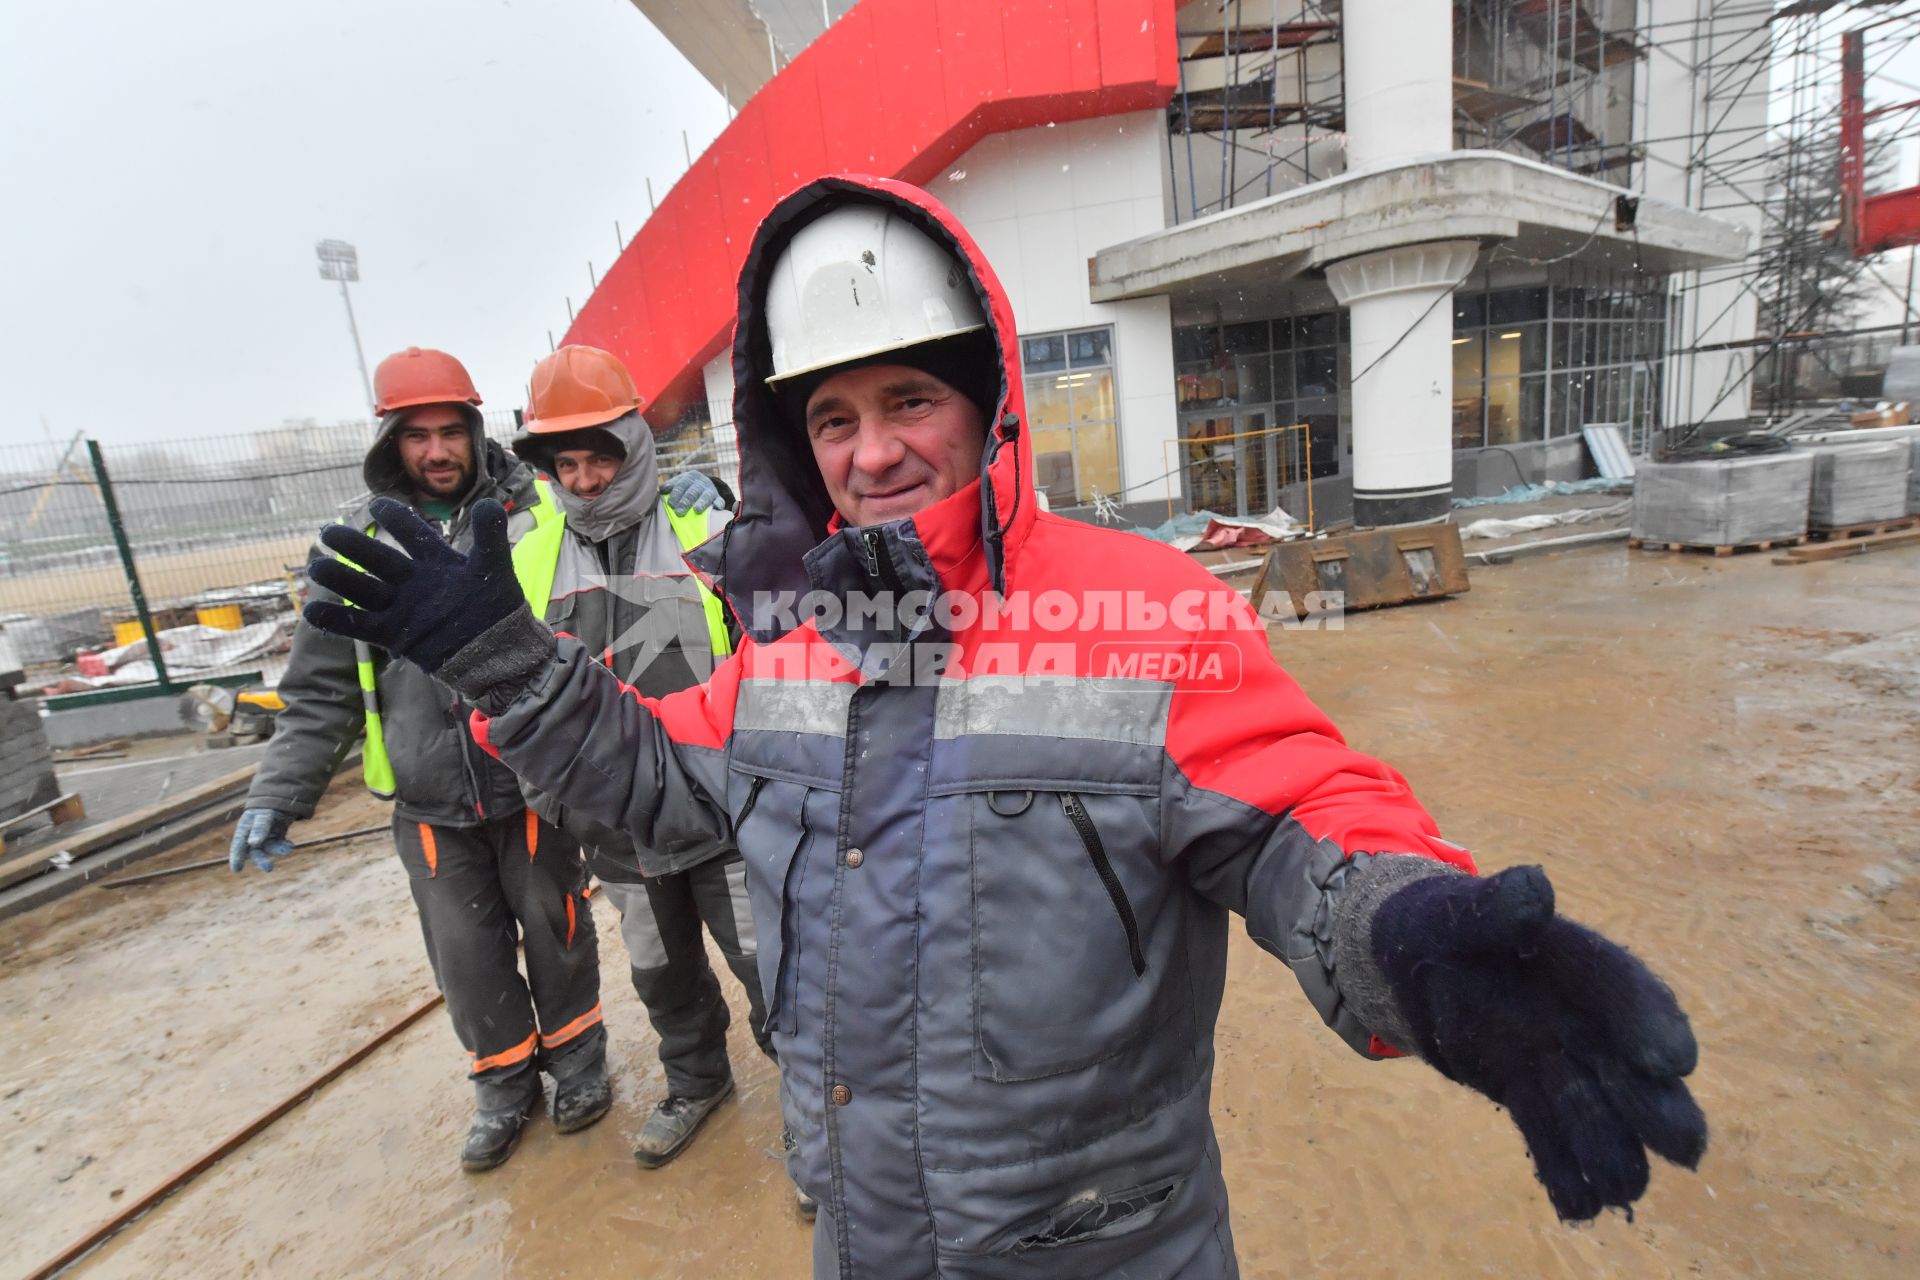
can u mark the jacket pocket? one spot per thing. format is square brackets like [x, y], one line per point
[1095, 1216]
[769, 823]
[1078, 952]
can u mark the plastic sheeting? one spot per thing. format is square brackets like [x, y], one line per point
[1535, 492]
[1717, 502]
[1494, 527]
[191, 651]
[1859, 483]
[1211, 529]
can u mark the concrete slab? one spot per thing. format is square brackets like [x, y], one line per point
[1537, 210]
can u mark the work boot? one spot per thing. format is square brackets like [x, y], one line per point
[807, 1205]
[671, 1126]
[580, 1100]
[499, 1115]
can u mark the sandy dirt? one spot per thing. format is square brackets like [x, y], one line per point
[1715, 758]
[164, 576]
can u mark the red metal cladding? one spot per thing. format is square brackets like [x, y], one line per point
[896, 88]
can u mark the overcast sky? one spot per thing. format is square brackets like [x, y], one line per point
[165, 170]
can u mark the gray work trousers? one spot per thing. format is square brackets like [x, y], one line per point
[660, 920]
[478, 890]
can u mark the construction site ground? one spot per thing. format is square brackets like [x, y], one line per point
[1718, 760]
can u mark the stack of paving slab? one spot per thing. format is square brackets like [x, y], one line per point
[1721, 502]
[1860, 483]
[26, 762]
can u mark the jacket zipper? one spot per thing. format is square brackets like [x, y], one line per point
[1090, 837]
[873, 549]
[753, 796]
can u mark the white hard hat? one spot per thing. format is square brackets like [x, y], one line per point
[860, 281]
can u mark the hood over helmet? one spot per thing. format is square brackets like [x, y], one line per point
[633, 495]
[784, 509]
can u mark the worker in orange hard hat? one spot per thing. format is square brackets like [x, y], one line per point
[617, 580]
[483, 868]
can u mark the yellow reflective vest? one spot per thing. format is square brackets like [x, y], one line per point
[536, 558]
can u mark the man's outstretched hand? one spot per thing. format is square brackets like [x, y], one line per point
[1574, 1036]
[427, 604]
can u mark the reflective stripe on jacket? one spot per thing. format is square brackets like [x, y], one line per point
[991, 846]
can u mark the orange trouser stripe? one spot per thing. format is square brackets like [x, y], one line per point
[519, 1053]
[533, 834]
[431, 849]
[591, 1018]
[570, 921]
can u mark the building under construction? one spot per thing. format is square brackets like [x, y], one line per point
[1404, 249]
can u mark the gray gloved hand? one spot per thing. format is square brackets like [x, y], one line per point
[261, 834]
[691, 491]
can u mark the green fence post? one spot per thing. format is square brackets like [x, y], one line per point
[126, 562]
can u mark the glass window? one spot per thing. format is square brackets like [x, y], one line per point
[1203, 384]
[1099, 447]
[1048, 402]
[1320, 329]
[1512, 306]
[1090, 347]
[1072, 410]
[1283, 376]
[1044, 354]
[1053, 466]
[1533, 413]
[1253, 374]
[1469, 310]
[1316, 372]
[1092, 396]
[1247, 337]
[1282, 330]
[1322, 420]
[1196, 344]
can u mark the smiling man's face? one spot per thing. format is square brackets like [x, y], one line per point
[891, 441]
[436, 450]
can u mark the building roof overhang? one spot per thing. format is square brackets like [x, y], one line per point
[1535, 212]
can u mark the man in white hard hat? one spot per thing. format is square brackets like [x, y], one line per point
[991, 856]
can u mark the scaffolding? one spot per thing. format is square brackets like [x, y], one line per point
[1572, 83]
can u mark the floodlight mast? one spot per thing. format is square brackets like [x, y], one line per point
[341, 261]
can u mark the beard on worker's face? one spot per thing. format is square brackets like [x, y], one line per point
[442, 480]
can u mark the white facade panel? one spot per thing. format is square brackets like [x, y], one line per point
[1705, 117]
[1040, 203]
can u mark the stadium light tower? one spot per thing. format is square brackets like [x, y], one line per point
[341, 261]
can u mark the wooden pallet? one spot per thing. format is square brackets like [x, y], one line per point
[64, 808]
[1871, 529]
[1723, 549]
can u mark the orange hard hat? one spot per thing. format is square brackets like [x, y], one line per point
[419, 375]
[579, 387]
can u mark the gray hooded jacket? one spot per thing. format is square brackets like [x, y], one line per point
[441, 777]
[991, 862]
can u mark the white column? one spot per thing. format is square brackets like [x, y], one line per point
[1399, 104]
[1402, 370]
[1399, 80]
[718, 375]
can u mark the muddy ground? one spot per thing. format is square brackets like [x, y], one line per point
[1718, 759]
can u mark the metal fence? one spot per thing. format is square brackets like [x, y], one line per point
[213, 522]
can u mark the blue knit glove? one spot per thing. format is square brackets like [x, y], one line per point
[691, 491]
[1577, 1039]
[261, 834]
[427, 604]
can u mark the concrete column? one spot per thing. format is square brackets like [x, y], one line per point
[1399, 80]
[718, 376]
[1399, 104]
[1402, 370]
